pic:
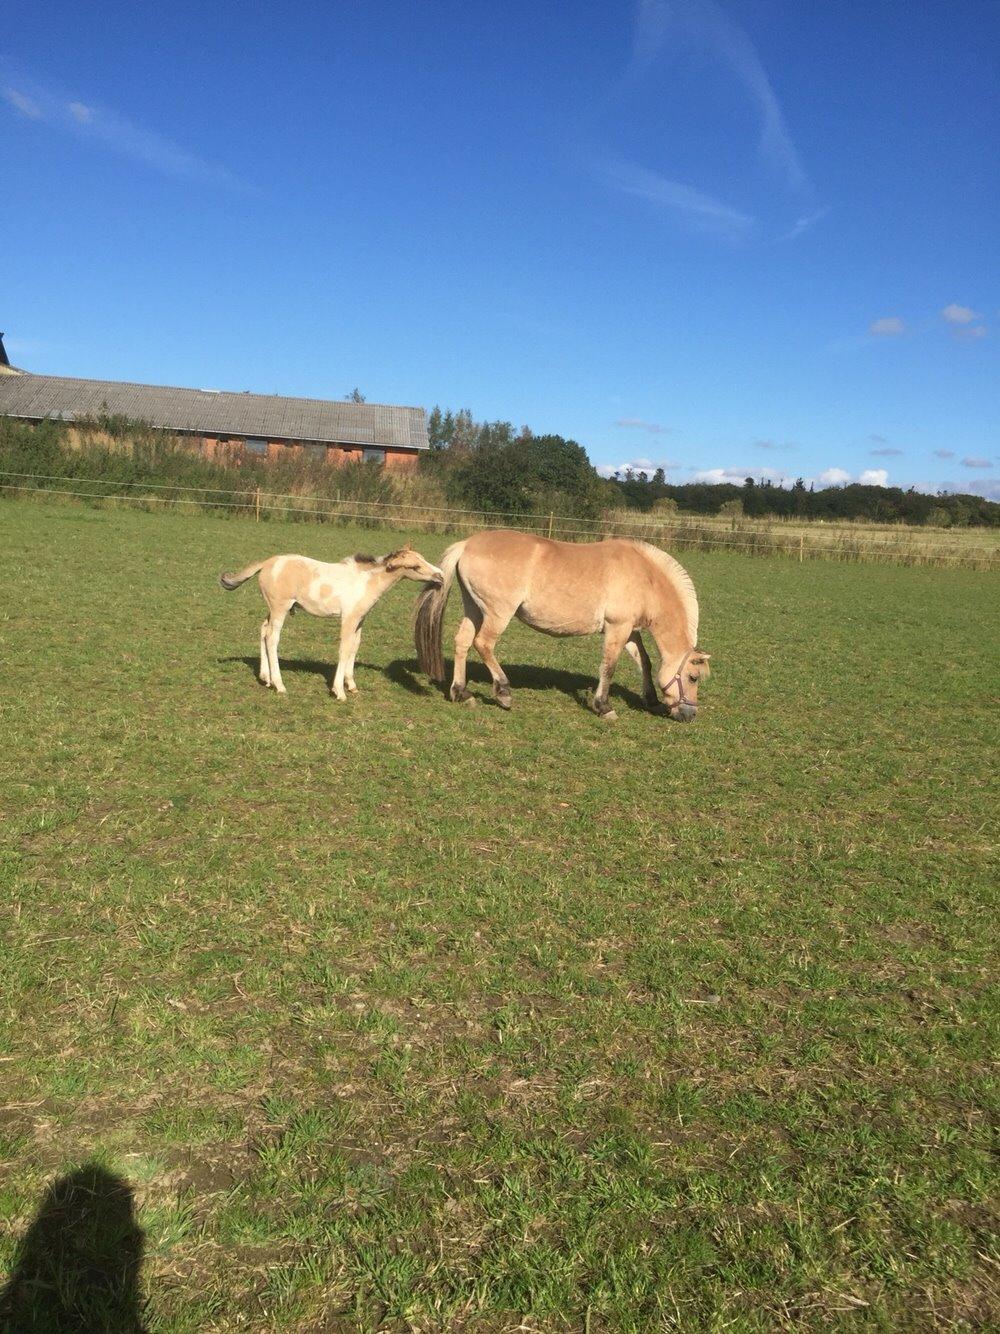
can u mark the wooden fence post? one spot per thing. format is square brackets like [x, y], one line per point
[802, 540]
[256, 505]
[551, 517]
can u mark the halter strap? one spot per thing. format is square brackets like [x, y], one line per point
[678, 681]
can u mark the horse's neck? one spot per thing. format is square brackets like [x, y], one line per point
[670, 639]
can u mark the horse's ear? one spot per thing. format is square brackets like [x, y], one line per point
[408, 547]
[701, 657]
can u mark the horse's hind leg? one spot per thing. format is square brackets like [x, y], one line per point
[463, 642]
[636, 650]
[271, 638]
[615, 639]
[487, 635]
[265, 671]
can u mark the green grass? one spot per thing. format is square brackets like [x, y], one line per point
[400, 1015]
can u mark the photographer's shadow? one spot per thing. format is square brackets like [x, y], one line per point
[77, 1267]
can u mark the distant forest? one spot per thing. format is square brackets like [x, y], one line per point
[494, 466]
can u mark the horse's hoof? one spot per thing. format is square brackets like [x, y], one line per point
[609, 717]
[470, 701]
[460, 695]
[503, 697]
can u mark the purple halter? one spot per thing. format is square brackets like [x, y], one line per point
[677, 680]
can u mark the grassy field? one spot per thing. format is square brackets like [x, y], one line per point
[401, 1015]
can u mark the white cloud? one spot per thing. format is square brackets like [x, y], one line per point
[971, 461]
[956, 314]
[887, 327]
[874, 477]
[106, 129]
[648, 466]
[638, 424]
[987, 487]
[23, 104]
[834, 477]
[698, 211]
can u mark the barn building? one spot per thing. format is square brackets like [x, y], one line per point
[221, 424]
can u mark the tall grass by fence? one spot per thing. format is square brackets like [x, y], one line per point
[973, 549]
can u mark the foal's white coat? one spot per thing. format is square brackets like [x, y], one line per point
[348, 589]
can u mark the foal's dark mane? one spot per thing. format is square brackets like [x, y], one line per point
[361, 559]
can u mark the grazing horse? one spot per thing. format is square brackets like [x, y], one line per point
[616, 587]
[348, 589]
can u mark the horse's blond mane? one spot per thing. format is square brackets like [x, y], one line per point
[681, 581]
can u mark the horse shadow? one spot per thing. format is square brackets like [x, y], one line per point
[523, 676]
[76, 1268]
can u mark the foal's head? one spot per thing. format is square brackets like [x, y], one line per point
[411, 565]
[680, 691]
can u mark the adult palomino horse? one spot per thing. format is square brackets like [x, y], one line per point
[348, 589]
[616, 587]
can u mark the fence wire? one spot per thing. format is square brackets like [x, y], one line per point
[823, 544]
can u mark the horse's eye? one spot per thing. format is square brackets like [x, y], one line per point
[693, 680]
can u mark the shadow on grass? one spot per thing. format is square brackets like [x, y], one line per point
[309, 665]
[77, 1266]
[523, 676]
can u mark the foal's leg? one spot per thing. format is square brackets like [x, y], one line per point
[350, 638]
[615, 639]
[265, 671]
[487, 635]
[636, 650]
[273, 634]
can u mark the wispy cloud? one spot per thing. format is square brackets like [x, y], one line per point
[971, 461]
[878, 439]
[889, 326]
[956, 314]
[804, 223]
[638, 424]
[106, 129]
[697, 211]
[886, 452]
[20, 102]
[944, 453]
[708, 25]
[772, 445]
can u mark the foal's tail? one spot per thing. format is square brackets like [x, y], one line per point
[231, 581]
[430, 615]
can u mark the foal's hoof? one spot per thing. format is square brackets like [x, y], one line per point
[608, 717]
[459, 695]
[503, 697]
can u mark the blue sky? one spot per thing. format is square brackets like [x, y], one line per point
[744, 237]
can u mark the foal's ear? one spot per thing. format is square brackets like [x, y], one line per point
[407, 547]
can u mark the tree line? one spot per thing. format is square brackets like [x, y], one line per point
[495, 466]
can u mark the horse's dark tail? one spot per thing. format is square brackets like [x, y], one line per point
[231, 581]
[430, 616]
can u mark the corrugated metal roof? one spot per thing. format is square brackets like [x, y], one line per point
[214, 412]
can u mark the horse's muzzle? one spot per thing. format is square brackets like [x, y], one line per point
[684, 713]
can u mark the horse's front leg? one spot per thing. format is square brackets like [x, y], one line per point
[615, 639]
[347, 629]
[636, 650]
[353, 645]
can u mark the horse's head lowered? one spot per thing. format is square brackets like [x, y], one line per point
[411, 565]
[680, 691]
